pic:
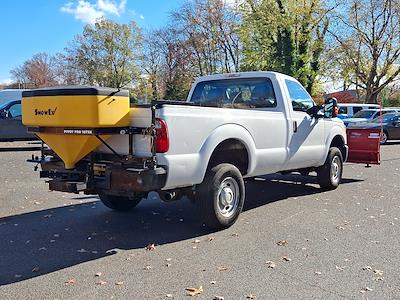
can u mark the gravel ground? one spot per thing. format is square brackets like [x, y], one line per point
[293, 241]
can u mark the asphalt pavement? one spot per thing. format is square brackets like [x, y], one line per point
[292, 241]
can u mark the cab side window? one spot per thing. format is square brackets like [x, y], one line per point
[301, 100]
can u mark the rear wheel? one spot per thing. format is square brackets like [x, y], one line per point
[330, 174]
[220, 196]
[120, 203]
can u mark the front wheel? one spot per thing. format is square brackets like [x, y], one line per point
[120, 203]
[330, 174]
[220, 197]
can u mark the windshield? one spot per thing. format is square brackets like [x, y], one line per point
[4, 105]
[365, 114]
[385, 118]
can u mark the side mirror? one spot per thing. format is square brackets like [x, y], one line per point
[315, 111]
[330, 108]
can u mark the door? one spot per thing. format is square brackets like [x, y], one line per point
[11, 127]
[307, 136]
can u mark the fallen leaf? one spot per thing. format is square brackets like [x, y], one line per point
[285, 258]
[317, 273]
[168, 295]
[251, 296]
[168, 265]
[35, 269]
[380, 278]
[47, 216]
[194, 291]
[196, 241]
[147, 267]
[368, 289]
[378, 272]
[218, 298]
[369, 268]
[82, 251]
[119, 283]
[70, 281]
[101, 282]
[151, 247]
[98, 274]
[222, 268]
[211, 238]
[282, 243]
[339, 268]
[235, 234]
[194, 247]
[270, 264]
[168, 259]
[17, 275]
[213, 282]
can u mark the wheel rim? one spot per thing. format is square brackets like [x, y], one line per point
[383, 138]
[228, 197]
[335, 169]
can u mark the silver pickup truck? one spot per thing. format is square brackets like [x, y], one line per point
[232, 126]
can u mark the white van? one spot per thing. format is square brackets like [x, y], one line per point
[347, 110]
[10, 95]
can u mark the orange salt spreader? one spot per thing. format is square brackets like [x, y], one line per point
[65, 118]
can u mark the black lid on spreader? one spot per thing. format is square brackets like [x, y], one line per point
[75, 91]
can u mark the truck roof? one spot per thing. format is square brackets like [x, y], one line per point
[243, 75]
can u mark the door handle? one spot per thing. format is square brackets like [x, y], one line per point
[294, 126]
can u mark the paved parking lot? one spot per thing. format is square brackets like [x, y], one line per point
[293, 241]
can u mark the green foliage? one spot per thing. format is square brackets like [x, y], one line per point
[284, 36]
[107, 53]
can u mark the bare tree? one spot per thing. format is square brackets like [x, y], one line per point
[210, 28]
[38, 71]
[368, 44]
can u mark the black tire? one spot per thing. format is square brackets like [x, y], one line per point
[120, 203]
[220, 197]
[384, 137]
[330, 174]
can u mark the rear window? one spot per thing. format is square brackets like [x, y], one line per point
[240, 93]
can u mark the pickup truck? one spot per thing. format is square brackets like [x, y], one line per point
[232, 126]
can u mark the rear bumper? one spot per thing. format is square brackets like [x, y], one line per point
[115, 180]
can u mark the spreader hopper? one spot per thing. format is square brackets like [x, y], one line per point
[72, 121]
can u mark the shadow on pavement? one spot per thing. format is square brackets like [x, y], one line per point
[41, 242]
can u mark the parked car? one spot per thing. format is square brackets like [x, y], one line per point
[11, 127]
[366, 115]
[390, 125]
[348, 110]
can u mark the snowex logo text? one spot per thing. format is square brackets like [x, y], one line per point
[45, 112]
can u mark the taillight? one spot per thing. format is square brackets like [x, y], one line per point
[162, 140]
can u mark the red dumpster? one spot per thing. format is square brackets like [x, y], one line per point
[364, 145]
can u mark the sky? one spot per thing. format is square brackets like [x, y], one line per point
[32, 26]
